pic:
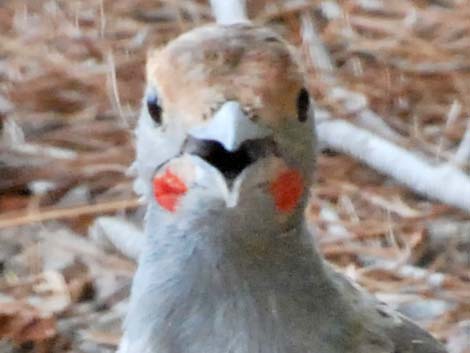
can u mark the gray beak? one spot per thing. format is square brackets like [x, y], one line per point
[230, 127]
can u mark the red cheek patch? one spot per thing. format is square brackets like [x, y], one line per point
[287, 190]
[168, 189]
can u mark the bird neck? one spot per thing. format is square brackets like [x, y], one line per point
[225, 236]
[191, 271]
[221, 251]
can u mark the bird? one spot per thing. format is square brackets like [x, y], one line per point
[225, 158]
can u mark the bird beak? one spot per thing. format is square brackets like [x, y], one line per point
[230, 127]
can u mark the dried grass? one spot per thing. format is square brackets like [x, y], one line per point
[71, 78]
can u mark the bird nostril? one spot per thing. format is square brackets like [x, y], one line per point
[230, 164]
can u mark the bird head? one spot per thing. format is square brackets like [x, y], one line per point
[226, 126]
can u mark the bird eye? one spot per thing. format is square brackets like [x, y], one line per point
[303, 103]
[154, 109]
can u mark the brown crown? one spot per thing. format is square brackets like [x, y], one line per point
[198, 71]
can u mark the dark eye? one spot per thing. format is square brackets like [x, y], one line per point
[154, 109]
[303, 102]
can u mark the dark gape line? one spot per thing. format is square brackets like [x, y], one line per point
[230, 164]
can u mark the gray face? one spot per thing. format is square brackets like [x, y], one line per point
[262, 181]
[226, 128]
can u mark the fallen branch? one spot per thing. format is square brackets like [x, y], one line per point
[63, 213]
[462, 156]
[442, 182]
[118, 233]
[229, 11]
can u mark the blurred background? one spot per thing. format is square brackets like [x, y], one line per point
[71, 81]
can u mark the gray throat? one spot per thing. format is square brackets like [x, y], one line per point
[201, 285]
